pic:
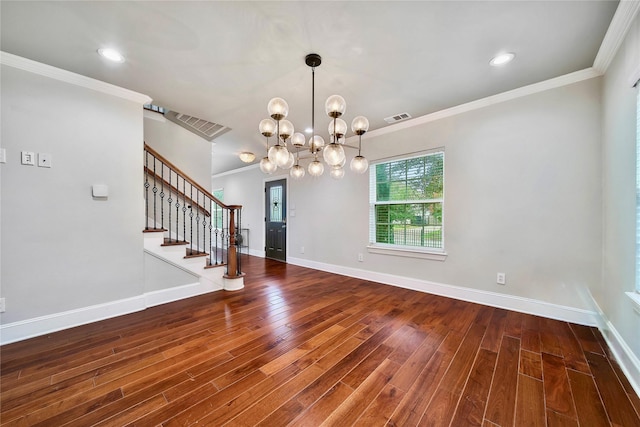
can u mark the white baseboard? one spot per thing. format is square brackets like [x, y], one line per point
[628, 361]
[259, 254]
[24, 329]
[493, 299]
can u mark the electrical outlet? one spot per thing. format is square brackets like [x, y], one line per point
[2, 305]
[360, 257]
[44, 160]
[501, 279]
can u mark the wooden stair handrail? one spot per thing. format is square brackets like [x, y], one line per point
[187, 177]
[177, 191]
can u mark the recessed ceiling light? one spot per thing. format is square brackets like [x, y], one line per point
[502, 59]
[111, 54]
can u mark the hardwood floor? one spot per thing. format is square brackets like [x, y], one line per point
[304, 348]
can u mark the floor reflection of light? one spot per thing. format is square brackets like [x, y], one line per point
[276, 300]
[227, 315]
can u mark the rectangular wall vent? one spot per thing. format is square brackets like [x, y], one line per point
[398, 118]
[203, 128]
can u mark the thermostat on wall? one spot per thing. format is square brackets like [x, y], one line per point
[100, 190]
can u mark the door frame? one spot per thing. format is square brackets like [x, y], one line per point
[264, 213]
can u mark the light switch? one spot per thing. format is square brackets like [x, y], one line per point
[3, 155]
[100, 190]
[44, 160]
[28, 158]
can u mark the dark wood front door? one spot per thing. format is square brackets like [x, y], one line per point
[275, 198]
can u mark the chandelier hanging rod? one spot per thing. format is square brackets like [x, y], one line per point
[279, 155]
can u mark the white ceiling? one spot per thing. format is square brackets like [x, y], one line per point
[223, 61]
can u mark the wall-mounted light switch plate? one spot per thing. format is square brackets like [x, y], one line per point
[28, 158]
[501, 279]
[44, 160]
[3, 155]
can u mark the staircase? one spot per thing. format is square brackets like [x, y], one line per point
[186, 226]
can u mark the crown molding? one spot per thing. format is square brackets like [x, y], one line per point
[234, 171]
[25, 64]
[567, 79]
[620, 24]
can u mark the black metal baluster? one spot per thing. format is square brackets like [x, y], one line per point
[191, 220]
[197, 220]
[204, 223]
[240, 242]
[225, 238]
[169, 201]
[184, 210]
[146, 187]
[155, 193]
[162, 196]
[177, 206]
[211, 219]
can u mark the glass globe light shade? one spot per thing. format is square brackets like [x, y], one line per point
[266, 166]
[286, 129]
[340, 127]
[359, 164]
[316, 143]
[279, 155]
[337, 172]
[343, 162]
[298, 139]
[341, 140]
[360, 125]
[278, 108]
[316, 168]
[267, 127]
[333, 154]
[290, 162]
[297, 172]
[335, 106]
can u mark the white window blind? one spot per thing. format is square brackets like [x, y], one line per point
[406, 202]
[638, 186]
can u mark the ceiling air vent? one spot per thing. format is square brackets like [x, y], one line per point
[202, 128]
[398, 118]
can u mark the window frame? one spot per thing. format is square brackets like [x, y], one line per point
[635, 294]
[438, 254]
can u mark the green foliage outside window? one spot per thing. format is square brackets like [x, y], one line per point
[408, 201]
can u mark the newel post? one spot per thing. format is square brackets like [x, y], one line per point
[232, 250]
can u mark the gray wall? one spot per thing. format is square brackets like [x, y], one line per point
[522, 196]
[61, 249]
[618, 182]
[246, 188]
[186, 150]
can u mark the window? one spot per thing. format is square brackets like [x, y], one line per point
[406, 201]
[638, 187]
[216, 210]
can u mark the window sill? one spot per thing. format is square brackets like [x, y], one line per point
[635, 297]
[410, 253]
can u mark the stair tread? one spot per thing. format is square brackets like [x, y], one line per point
[172, 242]
[193, 253]
[215, 266]
[154, 230]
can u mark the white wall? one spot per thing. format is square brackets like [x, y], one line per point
[246, 188]
[618, 181]
[61, 249]
[522, 196]
[186, 150]
[159, 274]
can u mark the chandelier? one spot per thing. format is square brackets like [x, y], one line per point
[281, 155]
